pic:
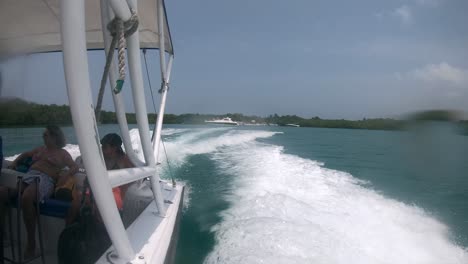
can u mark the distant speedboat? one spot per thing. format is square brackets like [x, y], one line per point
[223, 121]
[292, 125]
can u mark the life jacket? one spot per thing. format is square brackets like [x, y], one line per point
[118, 197]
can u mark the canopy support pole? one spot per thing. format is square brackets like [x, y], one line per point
[75, 60]
[139, 101]
[165, 75]
[120, 8]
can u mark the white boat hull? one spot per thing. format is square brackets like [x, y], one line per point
[222, 123]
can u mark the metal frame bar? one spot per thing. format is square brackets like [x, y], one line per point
[75, 60]
[165, 75]
[10, 223]
[19, 186]
[79, 93]
[124, 176]
[164, 79]
[120, 8]
[136, 76]
[106, 15]
[39, 226]
[162, 107]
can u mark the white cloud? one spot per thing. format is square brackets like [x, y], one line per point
[404, 13]
[442, 72]
[428, 2]
[379, 15]
[398, 76]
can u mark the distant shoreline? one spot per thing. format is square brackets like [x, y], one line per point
[16, 113]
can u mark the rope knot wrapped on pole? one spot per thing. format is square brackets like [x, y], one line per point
[119, 30]
[164, 87]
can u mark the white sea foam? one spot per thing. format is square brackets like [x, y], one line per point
[206, 141]
[286, 209]
[173, 131]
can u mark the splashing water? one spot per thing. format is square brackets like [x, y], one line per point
[286, 209]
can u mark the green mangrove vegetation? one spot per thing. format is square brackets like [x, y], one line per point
[18, 113]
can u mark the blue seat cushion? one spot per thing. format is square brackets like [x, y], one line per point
[54, 207]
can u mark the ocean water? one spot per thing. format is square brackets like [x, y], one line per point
[311, 195]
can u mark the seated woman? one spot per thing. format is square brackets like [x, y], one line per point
[115, 158]
[47, 163]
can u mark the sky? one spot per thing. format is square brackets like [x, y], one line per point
[332, 59]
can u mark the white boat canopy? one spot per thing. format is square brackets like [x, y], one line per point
[33, 26]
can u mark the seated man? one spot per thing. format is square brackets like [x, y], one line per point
[115, 158]
[47, 163]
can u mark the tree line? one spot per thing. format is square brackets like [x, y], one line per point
[18, 113]
[374, 124]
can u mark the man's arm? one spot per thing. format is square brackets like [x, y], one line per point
[23, 156]
[72, 167]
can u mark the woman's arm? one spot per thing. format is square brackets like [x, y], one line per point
[125, 162]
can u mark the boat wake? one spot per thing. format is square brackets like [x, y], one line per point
[286, 209]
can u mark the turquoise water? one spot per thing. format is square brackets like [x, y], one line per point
[302, 195]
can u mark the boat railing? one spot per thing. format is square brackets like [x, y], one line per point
[74, 44]
[123, 10]
[124, 176]
[79, 93]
